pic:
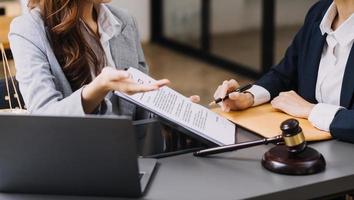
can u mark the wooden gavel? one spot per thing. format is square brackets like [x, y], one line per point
[293, 157]
[292, 136]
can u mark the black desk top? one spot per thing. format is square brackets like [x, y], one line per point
[239, 175]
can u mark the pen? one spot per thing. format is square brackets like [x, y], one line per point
[240, 89]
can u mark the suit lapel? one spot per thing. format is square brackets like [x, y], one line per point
[312, 62]
[348, 82]
[123, 49]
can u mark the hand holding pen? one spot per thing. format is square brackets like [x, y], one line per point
[232, 96]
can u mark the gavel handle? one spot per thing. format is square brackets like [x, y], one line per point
[234, 147]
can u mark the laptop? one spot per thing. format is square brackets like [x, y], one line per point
[93, 156]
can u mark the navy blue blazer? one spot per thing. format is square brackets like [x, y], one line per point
[299, 69]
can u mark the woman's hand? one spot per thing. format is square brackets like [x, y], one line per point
[195, 98]
[236, 101]
[109, 80]
[293, 104]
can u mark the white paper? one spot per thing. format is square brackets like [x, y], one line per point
[175, 107]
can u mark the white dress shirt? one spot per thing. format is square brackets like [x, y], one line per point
[331, 71]
[108, 27]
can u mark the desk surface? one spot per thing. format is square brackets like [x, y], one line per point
[239, 175]
[4, 30]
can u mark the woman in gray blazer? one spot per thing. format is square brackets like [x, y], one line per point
[70, 55]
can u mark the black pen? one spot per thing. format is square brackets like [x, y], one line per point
[240, 89]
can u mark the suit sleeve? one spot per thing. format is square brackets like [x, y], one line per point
[143, 66]
[342, 126]
[140, 113]
[36, 82]
[284, 76]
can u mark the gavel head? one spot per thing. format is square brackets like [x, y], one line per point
[293, 136]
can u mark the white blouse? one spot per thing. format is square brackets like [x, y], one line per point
[331, 71]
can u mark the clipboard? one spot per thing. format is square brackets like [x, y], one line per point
[180, 113]
[265, 121]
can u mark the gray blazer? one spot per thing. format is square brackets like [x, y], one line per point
[42, 82]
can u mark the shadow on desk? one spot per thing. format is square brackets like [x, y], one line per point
[52, 197]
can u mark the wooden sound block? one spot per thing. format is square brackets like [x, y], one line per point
[281, 161]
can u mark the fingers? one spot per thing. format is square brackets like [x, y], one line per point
[161, 83]
[225, 88]
[238, 101]
[278, 103]
[121, 80]
[130, 87]
[115, 75]
[293, 104]
[235, 96]
[285, 98]
[287, 102]
[133, 88]
[227, 105]
[287, 106]
[233, 85]
[195, 98]
[217, 92]
[289, 94]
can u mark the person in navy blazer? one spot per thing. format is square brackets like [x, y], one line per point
[293, 86]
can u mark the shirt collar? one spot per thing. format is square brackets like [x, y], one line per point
[345, 33]
[108, 25]
[326, 24]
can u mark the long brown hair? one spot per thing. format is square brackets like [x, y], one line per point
[62, 20]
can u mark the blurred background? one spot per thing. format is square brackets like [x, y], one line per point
[199, 43]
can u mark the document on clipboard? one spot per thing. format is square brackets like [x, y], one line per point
[178, 109]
